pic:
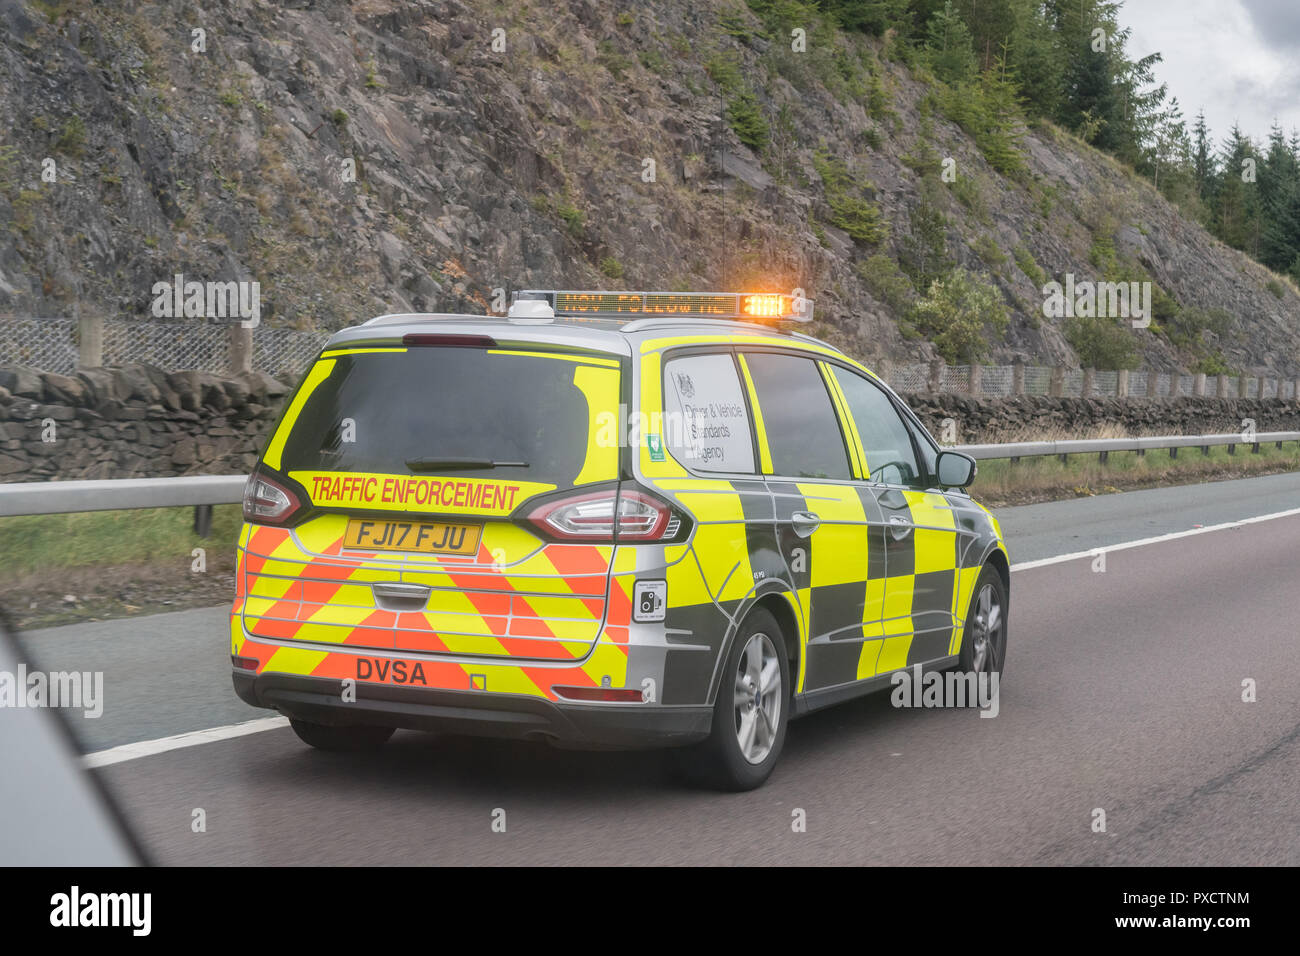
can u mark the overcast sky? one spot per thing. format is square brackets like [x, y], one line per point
[1237, 59]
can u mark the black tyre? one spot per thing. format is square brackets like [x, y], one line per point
[347, 737]
[984, 640]
[751, 711]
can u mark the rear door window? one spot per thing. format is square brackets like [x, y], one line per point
[803, 433]
[707, 424]
[469, 412]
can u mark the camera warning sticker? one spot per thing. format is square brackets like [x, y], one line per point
[650, 601]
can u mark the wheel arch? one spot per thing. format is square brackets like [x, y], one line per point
[998, 559]
[777, 603]
[780, 604]
[995, 558]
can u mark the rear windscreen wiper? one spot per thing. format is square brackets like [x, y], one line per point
[444, 464]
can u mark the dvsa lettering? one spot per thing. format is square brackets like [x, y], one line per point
[391, 672]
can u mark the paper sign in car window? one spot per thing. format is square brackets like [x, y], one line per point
[706, 426]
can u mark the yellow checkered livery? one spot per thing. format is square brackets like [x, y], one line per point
[558, 531]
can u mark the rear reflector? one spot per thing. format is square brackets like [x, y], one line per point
[618, 695]
[450, 341]
[244, 663]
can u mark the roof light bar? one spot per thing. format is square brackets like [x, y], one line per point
[750, 306]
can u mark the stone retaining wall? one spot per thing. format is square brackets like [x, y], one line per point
[140, 421]
[132, 422]
[996, 419]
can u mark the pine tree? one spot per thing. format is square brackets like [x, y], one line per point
[1141, 105]
[992, 25]
[1205, 165]
[1236, 201]
[1037, 59]
[1088, 91]
[1171, 148]
[1067, 60]
[1002, 126]
[948, 46]
[869, 16]
[1279, 199]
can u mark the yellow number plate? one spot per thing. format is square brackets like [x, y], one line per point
[435, 537]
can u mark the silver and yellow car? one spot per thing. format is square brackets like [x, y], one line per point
[606, 519]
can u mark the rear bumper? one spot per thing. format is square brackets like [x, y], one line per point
[320, 700]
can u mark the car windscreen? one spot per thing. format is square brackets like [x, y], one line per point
[472, 412]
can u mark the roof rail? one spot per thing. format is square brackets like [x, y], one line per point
[398, 318]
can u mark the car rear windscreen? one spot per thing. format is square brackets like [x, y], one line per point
[471, 412]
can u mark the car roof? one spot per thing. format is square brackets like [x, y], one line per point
[580, 332]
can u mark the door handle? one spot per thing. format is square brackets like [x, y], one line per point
[393, 596]
[805, 523]
[900, 527]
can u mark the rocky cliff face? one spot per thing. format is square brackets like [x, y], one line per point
[384, 156]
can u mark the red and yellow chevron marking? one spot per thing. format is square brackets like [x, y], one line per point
[519, 598]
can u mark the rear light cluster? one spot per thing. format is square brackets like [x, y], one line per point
[266, 501]
[607, 516]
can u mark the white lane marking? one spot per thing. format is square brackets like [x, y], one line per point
[147, 748]
[1172, 536]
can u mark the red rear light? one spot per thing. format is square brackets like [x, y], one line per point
[450, 341]
[267, 501]
[603, 516]
[244, 663]
[621, 695]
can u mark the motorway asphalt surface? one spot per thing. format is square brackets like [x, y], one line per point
[1122, 692]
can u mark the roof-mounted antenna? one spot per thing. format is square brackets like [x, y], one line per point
[530, 308]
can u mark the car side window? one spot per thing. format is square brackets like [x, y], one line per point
[929, 454]
[891, 459]
[707, 424]
[803, 433]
